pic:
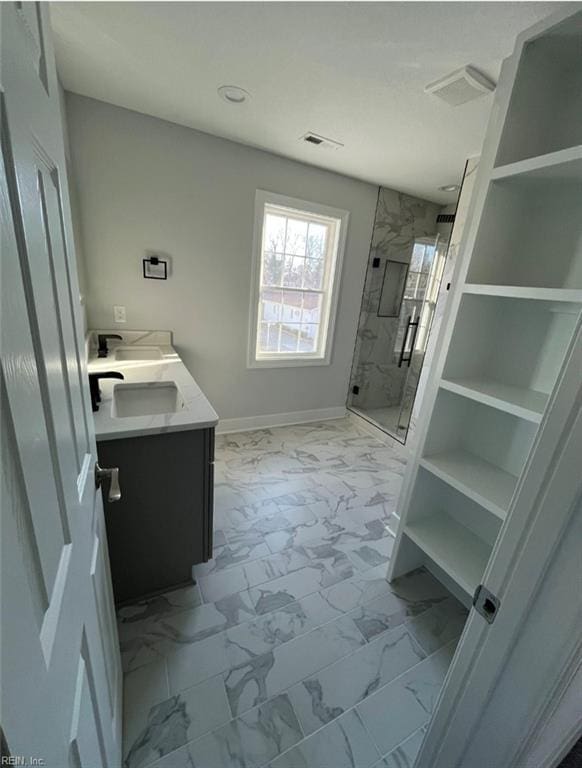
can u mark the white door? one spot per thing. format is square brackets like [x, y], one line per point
[508, 678]
[60, 666]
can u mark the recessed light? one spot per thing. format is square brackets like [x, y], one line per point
[232, 94]
[450, 188]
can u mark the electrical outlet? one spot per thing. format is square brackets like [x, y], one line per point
[119, 314]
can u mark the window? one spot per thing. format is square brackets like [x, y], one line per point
[298, 250]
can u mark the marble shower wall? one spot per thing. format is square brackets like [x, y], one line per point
[400, 219]
[461, 217]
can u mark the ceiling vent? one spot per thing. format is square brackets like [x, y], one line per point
[320, 141]
[461, 86]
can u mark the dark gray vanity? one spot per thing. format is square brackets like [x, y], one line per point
[162, 525]
[156, 426]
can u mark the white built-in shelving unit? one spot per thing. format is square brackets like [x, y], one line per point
[516, 305]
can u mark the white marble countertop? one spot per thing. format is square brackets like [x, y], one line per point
[197, 413]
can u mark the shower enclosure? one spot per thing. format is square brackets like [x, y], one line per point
[400, 295]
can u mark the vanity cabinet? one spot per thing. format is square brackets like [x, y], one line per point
[162, 525]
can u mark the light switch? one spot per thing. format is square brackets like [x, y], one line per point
[119, 314]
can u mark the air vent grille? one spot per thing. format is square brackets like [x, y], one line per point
[461, 86]
[445, 218]
[320, 141]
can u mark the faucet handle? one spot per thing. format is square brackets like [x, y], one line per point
[102, 342]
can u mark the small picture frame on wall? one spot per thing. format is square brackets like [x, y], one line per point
[393, 285]
[155, 268]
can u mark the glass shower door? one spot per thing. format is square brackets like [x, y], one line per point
[420, 297]
[404, 297]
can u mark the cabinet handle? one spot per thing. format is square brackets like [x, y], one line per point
[113, 474]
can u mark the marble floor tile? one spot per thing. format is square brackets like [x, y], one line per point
[192, 664]
[240, 523]
[389, 610]
[177, 721]
[371, 553]
[341, 744]
[218, 537]
[403, 706]
[439, 625]
[252, 547]
[288, 621]
[322, 697]
[404, 756]
[343, 530]
[333, 495]
[142, 689]
[259, 678]
[221, 584]
[249, 741]
[296, 591]
[161, 605]
[145, 641]
[363, 587]
[311, 578]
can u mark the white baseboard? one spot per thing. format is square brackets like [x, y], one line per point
[249, 423]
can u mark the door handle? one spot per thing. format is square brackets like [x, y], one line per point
[113, 474]
[401, 358]
[410, 324]
[413, 341]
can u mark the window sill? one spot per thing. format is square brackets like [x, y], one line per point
[295, 362]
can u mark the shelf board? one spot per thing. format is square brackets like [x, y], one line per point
[527, 404]
[454, 548]
[569, 295]
[565, 164]
[488, 485]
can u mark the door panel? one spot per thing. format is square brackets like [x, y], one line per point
[61, 670]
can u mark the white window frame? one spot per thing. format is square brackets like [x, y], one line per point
[294, 359]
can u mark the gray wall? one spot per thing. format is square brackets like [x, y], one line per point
[146, 184]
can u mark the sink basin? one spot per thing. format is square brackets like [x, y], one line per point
[138, 353]
[148, 398]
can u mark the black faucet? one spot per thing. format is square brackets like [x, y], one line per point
[94, 386]
[102, 340]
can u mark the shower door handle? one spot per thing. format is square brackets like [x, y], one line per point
[402, 358]
[413, 342]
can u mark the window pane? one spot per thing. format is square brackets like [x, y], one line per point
[290, 337]
[316, 240]
[417, 257]
[274, 236]
[292, 304]
[271, 306]
[313, 274]
[296, 237]
[269, 337]
[311, 312]
[273, 264]
[308, 340]
[294, 267]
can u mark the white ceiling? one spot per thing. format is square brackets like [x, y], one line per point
[354, 72]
